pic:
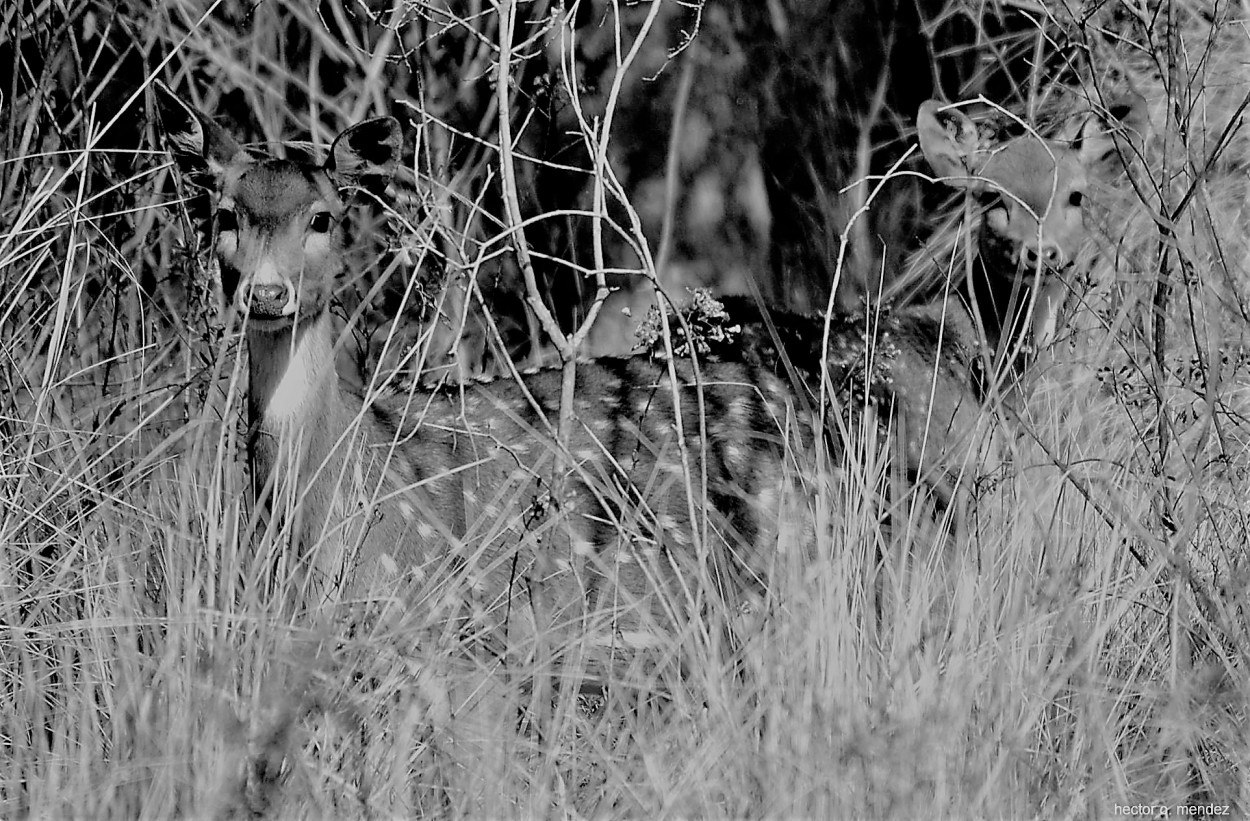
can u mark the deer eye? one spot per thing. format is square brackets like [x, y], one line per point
[226, 221]
[1075, 199]
[320, 222]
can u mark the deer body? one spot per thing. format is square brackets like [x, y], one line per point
[404, 473]
[427, 468]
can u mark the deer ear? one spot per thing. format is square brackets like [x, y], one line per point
[1107, 141]
[949, 142]
[201, 149]
[366, 155]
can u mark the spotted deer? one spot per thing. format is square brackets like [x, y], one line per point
[455, 483]
[1035, 193]
[929, 367]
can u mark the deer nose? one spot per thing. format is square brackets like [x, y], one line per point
[1046, 255]
[268, 301]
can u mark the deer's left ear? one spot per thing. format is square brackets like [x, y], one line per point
[366, 154]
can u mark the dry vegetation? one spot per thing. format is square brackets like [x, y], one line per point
[1080, 646]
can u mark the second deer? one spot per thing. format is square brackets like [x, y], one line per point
[930, 367]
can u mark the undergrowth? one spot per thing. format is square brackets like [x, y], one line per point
[1075, 647]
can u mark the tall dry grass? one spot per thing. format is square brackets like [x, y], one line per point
[1077, 649]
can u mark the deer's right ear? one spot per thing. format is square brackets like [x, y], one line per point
[200, 148]
[949, 142]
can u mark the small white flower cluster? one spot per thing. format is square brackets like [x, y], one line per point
[710, 327]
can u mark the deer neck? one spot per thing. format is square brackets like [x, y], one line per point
[999, 300]
[299, 417]
[295, 405]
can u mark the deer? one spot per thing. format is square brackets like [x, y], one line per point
[425, 481]
[931, 368]
[1007, 306]
[1034, 223]
[456, 481]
